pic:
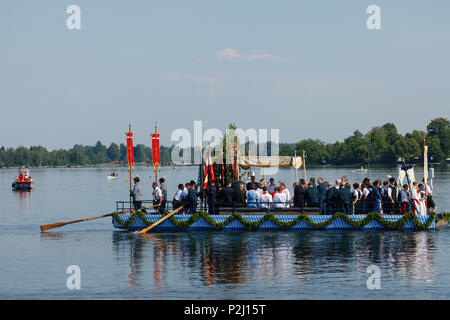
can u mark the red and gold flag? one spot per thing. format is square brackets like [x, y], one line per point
[155, 150]
[130, 156]
[209, 170]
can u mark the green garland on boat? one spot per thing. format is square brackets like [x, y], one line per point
[389, 225]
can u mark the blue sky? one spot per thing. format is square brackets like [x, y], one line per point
[309, 68]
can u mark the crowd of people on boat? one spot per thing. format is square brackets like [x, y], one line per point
[320, 196]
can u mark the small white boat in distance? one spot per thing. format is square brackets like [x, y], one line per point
[112, 176]
[360, 170]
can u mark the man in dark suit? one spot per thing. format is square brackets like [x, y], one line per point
[300, 195]
[227, 195]
[211, 196]
[240, 196]
[331, 199]
[312, 195]
[345, 195]
[192, 196]
[322, 190]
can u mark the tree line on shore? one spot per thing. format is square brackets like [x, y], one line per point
[78, 155]
[382, 145]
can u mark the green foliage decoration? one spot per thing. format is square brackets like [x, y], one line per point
[388, 225]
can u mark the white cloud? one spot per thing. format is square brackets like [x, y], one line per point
[230, 54]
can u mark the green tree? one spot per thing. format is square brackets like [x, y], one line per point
[113, 152]
[314, 149]
[438, 126]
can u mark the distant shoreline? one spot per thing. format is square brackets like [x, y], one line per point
[312, 166]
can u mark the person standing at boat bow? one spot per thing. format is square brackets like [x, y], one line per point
[136, 193]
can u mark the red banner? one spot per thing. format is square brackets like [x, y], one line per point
[209, 170]
[130, 156]
[155, 150]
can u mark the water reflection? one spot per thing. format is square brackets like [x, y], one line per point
[234, 259]
[23, 199]
[52, 235]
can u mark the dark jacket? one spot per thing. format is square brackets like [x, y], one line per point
[344, 195]
[375, 194]
[312, 195]
[227, 194]
[239, 197]
[211, 194]
[192, 195]
[331, 195]
[322, 190]
[299, 196]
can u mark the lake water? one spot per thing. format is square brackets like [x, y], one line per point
[214, 265]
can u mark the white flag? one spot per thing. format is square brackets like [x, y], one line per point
[425, 164]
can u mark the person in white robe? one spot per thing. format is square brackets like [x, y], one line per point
[279, 198]
[287, 193]
[266, 198]
[415, 199]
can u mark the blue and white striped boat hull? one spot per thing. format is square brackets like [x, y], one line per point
[236, 225]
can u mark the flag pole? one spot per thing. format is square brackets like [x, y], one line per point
[406, 173]
[295, 158]
[425, 172]
[156, 164]
[304, 164]
[129, 164]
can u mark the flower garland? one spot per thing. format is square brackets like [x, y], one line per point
[389, 225]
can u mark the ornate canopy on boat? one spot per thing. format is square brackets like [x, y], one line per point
[269, 161]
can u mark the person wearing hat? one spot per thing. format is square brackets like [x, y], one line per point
[137, 195]
[157, 195]
[163, 189]
[253, 180]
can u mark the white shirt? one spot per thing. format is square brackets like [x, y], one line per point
[265, 200]
[184, 192]
[260, 192]
[271, 188]
[366, 192]
[389, 191]
[178, 194]
[288, 196]
[414, 194]
[157, 194]
[279, 200]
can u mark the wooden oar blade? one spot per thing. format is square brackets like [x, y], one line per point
[159, 221]
[56, 225]
[60, 224]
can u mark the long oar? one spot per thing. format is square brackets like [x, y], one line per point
[160, 220]
[60, 224]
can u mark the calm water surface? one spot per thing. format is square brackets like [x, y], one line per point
[214, 265]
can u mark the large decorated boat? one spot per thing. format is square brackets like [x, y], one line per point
[23, 181]
[268, 221]
[258, 219]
